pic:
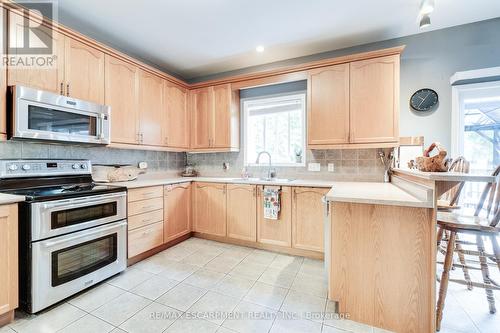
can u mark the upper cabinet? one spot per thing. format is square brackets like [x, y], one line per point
[83, 71]
[328, 105]
[354, 104]
[215, 114]
[150, 108]
[176, 116]
[122, 95]
[374, 100]
[77, 70]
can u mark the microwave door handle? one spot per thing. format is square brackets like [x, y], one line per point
[100, 127]
[86, 234]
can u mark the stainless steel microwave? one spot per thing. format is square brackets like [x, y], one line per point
[41, 115]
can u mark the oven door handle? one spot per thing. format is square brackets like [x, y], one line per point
[79, 202]
[90, 232]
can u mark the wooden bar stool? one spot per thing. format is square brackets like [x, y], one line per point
[484, 224]
[449, 200]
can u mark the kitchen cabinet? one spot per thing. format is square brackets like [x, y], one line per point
[83, 71]
[8, 260]
[176, 116]
[150, 108]
[50, 78]
[374, 100]
[242, 212]
[3, 80]
[177, 206]
[145, 219]
[215, 112]
[209, 210]
[77, 69]
[308, 218]
[275, 232]
[328, 105]
[121, 94]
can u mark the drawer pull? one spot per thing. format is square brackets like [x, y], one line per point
[146, 220]
[148, 207]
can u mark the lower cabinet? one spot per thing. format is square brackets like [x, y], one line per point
[242, 212]
[8, 259]
[177, 209]
[209, 208]
[145, 238]
[307, 218]
[275, 232]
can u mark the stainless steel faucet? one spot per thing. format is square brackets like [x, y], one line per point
[269, 173]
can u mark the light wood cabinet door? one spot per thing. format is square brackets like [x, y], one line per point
[150, 108]
[8, 258]
[176, 115]
[275, 232]
[201, 111]
[177, 208]
[308, 218]
[3, 79]
[242, 212]
[83, 71]
[145, 238]
[221, 116]
[328, 105]
[374, 100]
[50, 78]
[210, 208]
[121, 94]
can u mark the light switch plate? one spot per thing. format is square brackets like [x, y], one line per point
[331, 167]
[313, 166]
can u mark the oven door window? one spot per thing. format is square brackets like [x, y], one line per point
[50, 120]
[67, 217]
[81, 259]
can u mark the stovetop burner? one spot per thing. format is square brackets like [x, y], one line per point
[62, 192]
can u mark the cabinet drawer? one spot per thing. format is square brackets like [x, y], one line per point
[141, 220]
[144, 206]
[145, 238]
[144, 193]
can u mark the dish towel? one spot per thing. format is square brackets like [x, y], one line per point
[272, 203]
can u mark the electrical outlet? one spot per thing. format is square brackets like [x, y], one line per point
[313, 167]
[331, 167]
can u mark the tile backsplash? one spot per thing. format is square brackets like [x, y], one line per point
[349, 164]
[157, 161]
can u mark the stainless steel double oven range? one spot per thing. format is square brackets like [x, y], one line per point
[72, 232]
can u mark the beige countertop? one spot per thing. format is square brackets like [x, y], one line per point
[374, 193]
[446, 176]
[6, 199]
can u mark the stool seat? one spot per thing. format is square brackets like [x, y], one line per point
[457, 221]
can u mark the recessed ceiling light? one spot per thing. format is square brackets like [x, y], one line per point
[259, 49]
[425, 21]
[426, 7]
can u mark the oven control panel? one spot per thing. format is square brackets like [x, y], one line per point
[24, 168]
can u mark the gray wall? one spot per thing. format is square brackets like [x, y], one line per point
[429, 60]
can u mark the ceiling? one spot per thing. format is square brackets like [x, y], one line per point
[193, 38]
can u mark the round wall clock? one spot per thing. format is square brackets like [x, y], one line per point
[424, 100]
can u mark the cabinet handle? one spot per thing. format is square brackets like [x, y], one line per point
[146, 220]
[148, 207]
[67, 89]
[254, 191]
[62, 89]
[141, 136]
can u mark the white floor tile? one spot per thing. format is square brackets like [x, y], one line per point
[235, 286]
[154, 318]
[130, 278]
[154, 287]
[266, 295]
[178, 271]
[50, 321]
[222, 263]
[289, 264]
[121, 308]
[192, 325]
[248, 270]
[348, 325]
[305, 306]
[182, 296]
[214, 307]
[250, 318]
[277, 277]
[199, 258]
[154, 264]
[204, 278]
[309, 284]
[282, 324]
[96, 297]
[88, 324]
[260, 257]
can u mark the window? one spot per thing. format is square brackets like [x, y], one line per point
[476, 132]
[275, 125]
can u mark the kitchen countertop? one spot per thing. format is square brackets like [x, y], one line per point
[446, 176]
[374, 193]
[6, 199]
[357, 192]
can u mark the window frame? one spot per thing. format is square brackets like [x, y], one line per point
[302, 95]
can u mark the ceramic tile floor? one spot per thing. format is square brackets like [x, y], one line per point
[189, 287]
